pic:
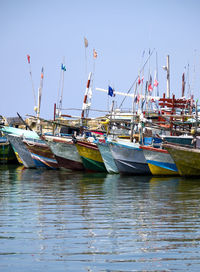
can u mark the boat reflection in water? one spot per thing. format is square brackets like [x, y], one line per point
[97, 221]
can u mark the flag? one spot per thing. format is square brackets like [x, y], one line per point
[85, 42]
[28, 58]
[150, 87]
[135, 100]
[42, 73]
[143, 103]
[139, 81]
[155, 83]
[150, 79]
[63, 67]
[110, 91]
[94, 54]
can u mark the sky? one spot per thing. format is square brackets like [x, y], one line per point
[122, 32]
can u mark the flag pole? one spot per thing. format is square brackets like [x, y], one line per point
[30, 72]
[157, 74]
[86, 96]
[58, 98]
[137, 77]
[86, 45]
[62, 87]
[39, 127]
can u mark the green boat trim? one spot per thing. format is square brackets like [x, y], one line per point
[6, 153]
[92, 165]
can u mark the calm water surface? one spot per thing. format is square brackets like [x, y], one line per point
[59, 221]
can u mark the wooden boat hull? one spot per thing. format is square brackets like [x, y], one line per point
[65, 153]
[159, 161]
[16, 135]
[22, 153]
[129, 158]
[187, 160]
[108, 160]
[41, 154]
[7, 154]
[91, 156]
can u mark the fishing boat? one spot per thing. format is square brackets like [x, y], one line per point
[41, 153]
[22, 153]
[159, 161]
[65, 152]
[181, 139]
[91, 156]
[187, 159]
[106, 154]
[7, 154]
[129, 157]
[15, 137]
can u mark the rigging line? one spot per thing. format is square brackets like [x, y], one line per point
[137, 76]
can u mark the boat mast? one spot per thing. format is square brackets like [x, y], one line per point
[133, 111]
[166, 68]
[39, 128]
[86, 104]
[61, 86]
[183, 85]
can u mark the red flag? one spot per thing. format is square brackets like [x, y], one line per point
[94, 54]
[139, 81]
[155, 83]
[150, 87]
[28, 58]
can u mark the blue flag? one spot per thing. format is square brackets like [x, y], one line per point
[110, 91]
[135, 100]
[143, 103]
[63, 67]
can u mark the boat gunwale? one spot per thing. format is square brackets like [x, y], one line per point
[150, 148]
[87, 144]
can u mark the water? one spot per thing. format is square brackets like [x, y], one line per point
[57, 221]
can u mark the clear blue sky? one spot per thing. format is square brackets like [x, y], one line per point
[119, 31]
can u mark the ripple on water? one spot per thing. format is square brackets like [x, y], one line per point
[62, 221]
